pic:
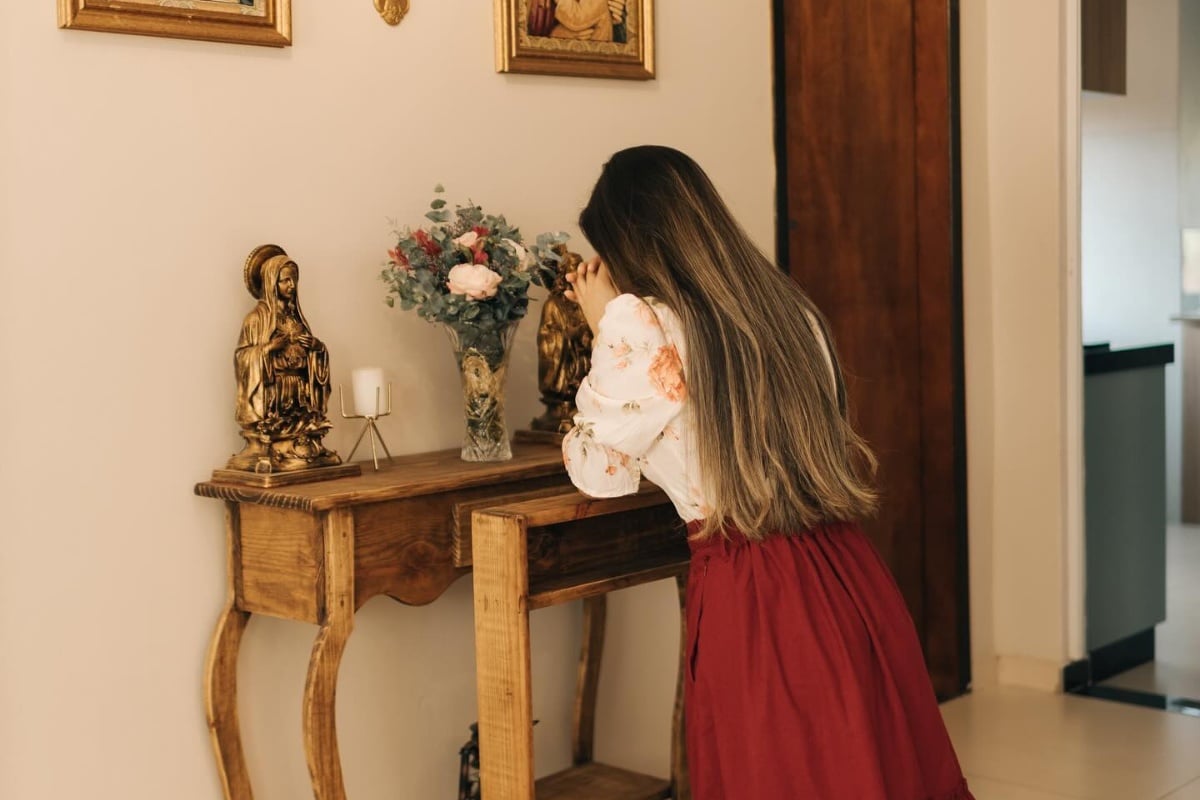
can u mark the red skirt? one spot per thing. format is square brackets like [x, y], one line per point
[805, 676]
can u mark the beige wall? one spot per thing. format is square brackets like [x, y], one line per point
[1021, 319]
[136, 174]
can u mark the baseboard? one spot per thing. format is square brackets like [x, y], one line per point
[1081, 676]
[1085, 677]
[1077, 676]
[1121, 655]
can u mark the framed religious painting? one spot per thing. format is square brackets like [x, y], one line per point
[585, 38]
[265, 22]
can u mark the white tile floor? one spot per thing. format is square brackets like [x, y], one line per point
[1022, 745]
[1017, 744]
[1176, 669]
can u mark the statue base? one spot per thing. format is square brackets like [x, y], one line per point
[538, 437]
[558, 419]
[270, 480]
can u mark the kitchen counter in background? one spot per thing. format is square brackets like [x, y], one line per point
[1125, 488]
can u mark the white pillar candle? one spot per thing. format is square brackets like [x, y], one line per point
[368, 385]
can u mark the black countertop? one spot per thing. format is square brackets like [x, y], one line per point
[1101, 358]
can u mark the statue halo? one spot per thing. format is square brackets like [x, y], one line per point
[254, 266]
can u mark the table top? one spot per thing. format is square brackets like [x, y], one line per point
[408, 476]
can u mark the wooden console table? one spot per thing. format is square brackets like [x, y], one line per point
[317, 552]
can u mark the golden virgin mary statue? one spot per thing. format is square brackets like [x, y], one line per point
[282, 374]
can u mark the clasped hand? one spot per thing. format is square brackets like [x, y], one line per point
[282, 340]
[591, 287]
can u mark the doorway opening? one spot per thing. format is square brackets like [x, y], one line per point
[1140, 266]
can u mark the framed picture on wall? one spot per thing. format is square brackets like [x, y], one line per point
[585, 38]
[265, 22]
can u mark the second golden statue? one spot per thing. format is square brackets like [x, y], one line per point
[564, 351]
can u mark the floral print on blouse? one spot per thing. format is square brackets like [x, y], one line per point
[634, 420]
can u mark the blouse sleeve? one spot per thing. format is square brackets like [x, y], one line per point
[635, 387]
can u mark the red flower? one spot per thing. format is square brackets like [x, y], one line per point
[398, 258]
[427, 244]
[482, 232]
[479, 256]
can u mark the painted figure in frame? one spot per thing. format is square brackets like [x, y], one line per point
[585, 20]
[282, 373]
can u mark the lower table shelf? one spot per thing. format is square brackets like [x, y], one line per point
[601, 782]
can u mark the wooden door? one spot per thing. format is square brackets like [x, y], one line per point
[867, 134]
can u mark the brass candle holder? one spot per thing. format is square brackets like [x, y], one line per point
[370, 425]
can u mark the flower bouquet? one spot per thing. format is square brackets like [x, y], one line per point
[471, 272]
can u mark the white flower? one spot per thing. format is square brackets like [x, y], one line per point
[523, 259]
[468, 239]
[476, 281]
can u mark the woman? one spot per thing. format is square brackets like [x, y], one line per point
[713, 376]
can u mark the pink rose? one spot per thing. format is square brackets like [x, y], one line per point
[468, 239]
[476, 281]
[523, 258]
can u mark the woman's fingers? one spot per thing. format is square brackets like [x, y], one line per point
[583, 278]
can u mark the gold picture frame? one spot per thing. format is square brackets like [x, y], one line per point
[261, 22]
[539, 37]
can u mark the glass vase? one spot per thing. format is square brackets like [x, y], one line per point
[481, 354]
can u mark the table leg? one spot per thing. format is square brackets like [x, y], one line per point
[502, 658]
[220, 675]
[595, 613]
[220, 700]
[320, 730]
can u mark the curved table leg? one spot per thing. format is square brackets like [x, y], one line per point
[220, 701]
[320, 690]
[320, 730]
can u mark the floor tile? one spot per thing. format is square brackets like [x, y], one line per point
[1073, 746]
[988, 789]
[1189, 792]
[1160, 677]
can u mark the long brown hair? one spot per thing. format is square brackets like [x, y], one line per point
[776, 448]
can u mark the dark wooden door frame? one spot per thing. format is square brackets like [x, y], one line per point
[940, 607]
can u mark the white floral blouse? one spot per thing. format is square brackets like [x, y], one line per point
[634, 420]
